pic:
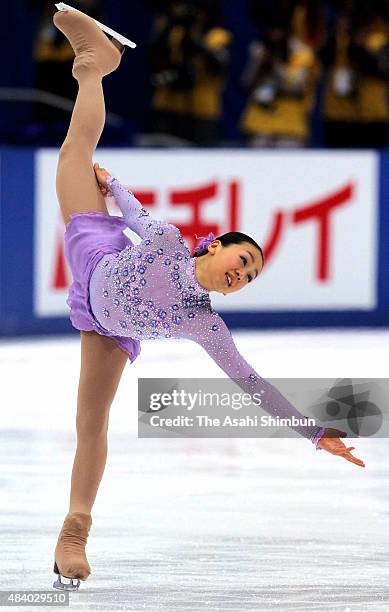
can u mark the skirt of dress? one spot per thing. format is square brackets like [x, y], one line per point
[88, 237]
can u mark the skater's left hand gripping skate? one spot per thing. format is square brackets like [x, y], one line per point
[335, 446]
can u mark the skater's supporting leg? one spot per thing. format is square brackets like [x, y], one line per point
[102, 364]
[77, 188]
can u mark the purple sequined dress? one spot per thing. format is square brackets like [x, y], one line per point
[150, 291]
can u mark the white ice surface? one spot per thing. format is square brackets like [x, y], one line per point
[212, 524]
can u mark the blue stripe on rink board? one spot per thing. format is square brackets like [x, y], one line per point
[17, 248]
[17, 261]
[17, 184]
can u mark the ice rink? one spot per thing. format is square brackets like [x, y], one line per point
[201, 524]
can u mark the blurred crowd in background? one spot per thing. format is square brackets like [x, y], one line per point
[274, 73]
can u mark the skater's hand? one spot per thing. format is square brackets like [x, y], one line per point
[101, 177]
[334, 445]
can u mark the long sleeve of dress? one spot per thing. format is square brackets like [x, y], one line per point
[134, 214]
[213, 335]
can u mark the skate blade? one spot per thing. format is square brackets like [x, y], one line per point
[72, 584]
[61, 6]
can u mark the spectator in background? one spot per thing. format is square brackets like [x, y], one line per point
[282, 72]
[189, 57]
[53, 57]
[355, 108]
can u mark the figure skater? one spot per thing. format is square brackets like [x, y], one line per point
[122, 293]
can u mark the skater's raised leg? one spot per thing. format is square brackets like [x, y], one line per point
[77, 189]
[96, 56]
[102, 364]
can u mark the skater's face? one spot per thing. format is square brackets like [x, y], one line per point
[232, 267]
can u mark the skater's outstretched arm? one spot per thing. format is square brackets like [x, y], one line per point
[209, 330]
[134, 214]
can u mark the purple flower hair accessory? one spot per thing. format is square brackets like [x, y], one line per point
[203, 245]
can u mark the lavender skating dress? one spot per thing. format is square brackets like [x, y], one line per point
[150, 290]
[88, 237]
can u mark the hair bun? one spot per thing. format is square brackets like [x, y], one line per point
[203, 245]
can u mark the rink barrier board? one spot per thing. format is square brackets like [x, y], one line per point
[17, 248]
[17, 184]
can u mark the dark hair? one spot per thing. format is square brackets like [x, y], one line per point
[234, 238]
